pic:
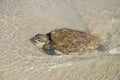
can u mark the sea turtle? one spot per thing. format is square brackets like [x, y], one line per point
[65, 40]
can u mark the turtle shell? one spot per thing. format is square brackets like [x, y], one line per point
[69, 40]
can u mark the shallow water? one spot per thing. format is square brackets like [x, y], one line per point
[22, 19]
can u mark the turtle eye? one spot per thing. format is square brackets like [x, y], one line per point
[41, 40]
[37, 37]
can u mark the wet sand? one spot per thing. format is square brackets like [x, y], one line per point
[22, 19]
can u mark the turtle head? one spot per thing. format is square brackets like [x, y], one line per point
[40, 40]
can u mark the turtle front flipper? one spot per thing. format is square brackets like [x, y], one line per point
[49, 49]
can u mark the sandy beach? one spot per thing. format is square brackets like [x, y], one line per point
[22, 19]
